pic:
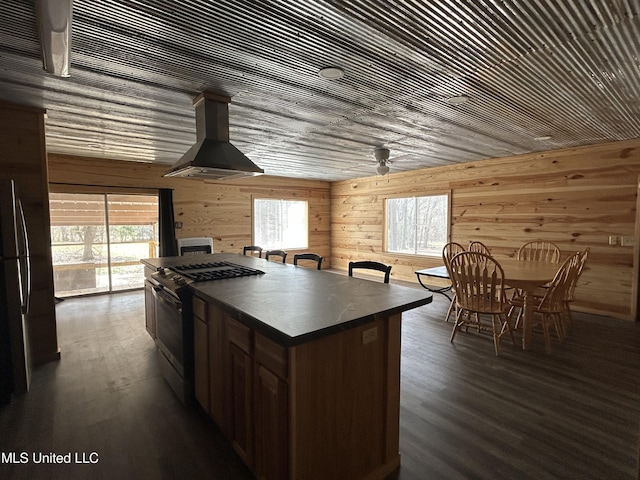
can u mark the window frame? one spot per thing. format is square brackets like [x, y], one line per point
[279, 198]
[385, 224]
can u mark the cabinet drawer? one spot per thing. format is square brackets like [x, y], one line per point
[271, 355]
[239, 334]
[199, 308]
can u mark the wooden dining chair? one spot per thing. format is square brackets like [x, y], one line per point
[370, 265]
[479, 247]
[308, 256]
[251, 249]
[571, 291]
[479, 283]
[549, 308]
[448, 252]
[539, 251]
[276, 253]
[536, 251]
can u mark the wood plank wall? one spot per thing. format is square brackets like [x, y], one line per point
[221, 210]
[23, 159]
[575, 197]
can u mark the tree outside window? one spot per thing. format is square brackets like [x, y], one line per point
[417, 225]
[280, 224]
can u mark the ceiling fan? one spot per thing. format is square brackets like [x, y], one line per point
[381, 155]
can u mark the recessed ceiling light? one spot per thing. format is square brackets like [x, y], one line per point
[331, 73]
[459, 100]
[544, 137]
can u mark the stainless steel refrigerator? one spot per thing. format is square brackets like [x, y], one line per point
[15, 288]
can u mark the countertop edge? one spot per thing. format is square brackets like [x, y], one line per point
[283, 339]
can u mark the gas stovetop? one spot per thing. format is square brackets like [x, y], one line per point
[182, 275]
[202, 272]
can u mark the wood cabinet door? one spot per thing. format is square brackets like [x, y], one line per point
[271, 425]
[218, 374]
[241, 401]
[201, 361]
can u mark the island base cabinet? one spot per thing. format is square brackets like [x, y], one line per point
[345, 403]
[325, 409]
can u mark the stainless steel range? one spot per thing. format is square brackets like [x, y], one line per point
[174, 317]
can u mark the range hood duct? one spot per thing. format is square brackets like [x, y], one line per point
[213, 157]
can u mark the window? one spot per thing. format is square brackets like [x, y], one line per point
[99, 239]
[280, 224]
[417, 225]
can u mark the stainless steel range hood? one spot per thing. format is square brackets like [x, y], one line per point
[212, 156]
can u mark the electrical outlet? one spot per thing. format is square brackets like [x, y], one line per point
[627, 241]
[370, 335]
[613, 239]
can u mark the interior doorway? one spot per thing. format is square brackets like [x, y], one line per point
[98, 239]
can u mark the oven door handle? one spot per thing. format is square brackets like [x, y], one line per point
[173, 302]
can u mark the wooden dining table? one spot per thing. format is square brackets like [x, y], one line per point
[527, 275]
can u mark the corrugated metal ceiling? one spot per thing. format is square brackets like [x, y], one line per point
[560, 68]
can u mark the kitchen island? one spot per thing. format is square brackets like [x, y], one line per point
[300, 368]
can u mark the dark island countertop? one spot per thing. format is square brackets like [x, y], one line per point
[293, 304]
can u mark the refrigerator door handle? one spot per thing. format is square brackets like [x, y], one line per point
[24, 257]
[27, 299]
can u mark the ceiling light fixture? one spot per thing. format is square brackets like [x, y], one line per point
[381, 155]
[331, 73]
[544, 137]
[54, 25]
[382, 169]
[459, 100]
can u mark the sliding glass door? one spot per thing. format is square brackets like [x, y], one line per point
[99, 239]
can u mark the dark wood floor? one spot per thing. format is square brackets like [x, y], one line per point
[465, 414]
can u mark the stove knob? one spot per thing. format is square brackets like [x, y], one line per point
[179, 280]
